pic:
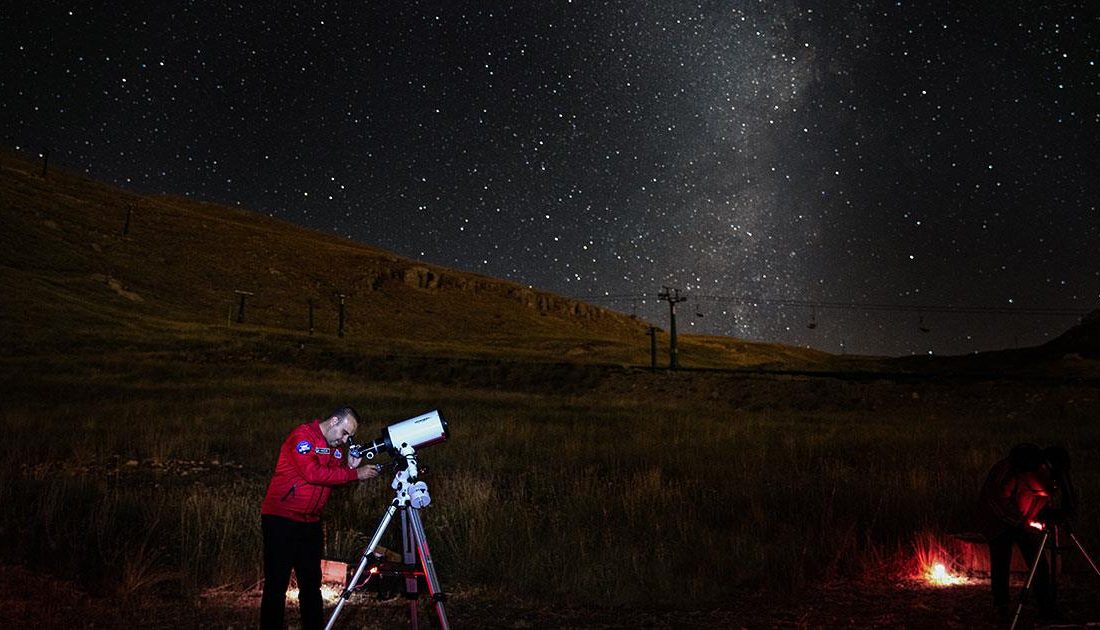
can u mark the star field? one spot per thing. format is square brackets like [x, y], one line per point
[781, 163]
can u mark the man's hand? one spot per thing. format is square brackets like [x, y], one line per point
[353, 462]
[1052, 516]
[367, 472]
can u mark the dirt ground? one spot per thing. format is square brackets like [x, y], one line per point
[28, 599]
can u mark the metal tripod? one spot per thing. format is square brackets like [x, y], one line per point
[1055, 550]
[411, 495]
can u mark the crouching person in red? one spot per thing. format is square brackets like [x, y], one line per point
[1016, 494]
[311, 462]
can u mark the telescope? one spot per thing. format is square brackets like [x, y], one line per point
[415, 433]
[401, 440]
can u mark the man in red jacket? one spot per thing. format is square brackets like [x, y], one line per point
[311, 462]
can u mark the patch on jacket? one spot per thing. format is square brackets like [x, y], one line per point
[337, 454]
[304, 447]
[322, 451]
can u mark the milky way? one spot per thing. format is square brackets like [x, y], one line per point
[844, 177]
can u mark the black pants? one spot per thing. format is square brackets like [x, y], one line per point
[291, 545]
[1000, 561]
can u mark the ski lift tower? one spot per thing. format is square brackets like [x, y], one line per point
[672, 296]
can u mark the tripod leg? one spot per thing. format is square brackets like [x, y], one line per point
[1081, 547]
[408, 557]
[428, 566]
[382, 525]
[1030, 579]
[1055, 560]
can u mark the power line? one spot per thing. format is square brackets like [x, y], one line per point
[844, 306]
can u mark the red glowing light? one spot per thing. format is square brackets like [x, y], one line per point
[938, 563]
[938, 575]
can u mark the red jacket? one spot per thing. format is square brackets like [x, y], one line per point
[304, 475]
[1012, 498]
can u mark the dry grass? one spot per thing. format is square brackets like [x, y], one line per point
[579, 497]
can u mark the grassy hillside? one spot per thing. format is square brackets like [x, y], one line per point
[83, 261]
[181, 261]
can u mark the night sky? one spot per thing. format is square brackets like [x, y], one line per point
[891, 163]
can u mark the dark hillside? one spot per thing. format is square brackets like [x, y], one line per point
[82, 263]
[88, 265]
[68, 264]
[1082, 340]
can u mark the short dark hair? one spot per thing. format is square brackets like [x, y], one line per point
[343, 413]
[1026, 457]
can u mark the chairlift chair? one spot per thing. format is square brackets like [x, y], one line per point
[921, 326]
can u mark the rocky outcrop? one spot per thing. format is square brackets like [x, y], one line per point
[425, 278]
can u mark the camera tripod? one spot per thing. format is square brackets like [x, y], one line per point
[411, 495]
[1056, 548]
